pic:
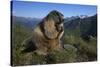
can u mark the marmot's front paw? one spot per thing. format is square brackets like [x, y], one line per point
[62, 28]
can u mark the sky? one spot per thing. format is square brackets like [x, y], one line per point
[40, 9]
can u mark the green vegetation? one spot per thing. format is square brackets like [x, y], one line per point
[19, 33]
[75, 49]
[86, 50]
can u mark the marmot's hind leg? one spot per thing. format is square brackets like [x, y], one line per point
[29, 46]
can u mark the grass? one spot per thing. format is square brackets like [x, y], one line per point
[87, 50]
[76, 49]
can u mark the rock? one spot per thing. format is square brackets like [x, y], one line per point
[70, 47]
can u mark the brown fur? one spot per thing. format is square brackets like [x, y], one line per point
[45, 37]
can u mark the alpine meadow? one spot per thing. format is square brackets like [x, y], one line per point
[79, 41]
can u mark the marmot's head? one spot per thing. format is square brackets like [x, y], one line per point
[56, 16]
[53, 24]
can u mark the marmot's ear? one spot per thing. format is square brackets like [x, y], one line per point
[50, 29]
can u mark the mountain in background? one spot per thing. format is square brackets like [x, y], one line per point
[26, 22]
[84, 25]
[87, 26]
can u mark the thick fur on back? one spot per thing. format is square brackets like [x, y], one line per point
[47, 34]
